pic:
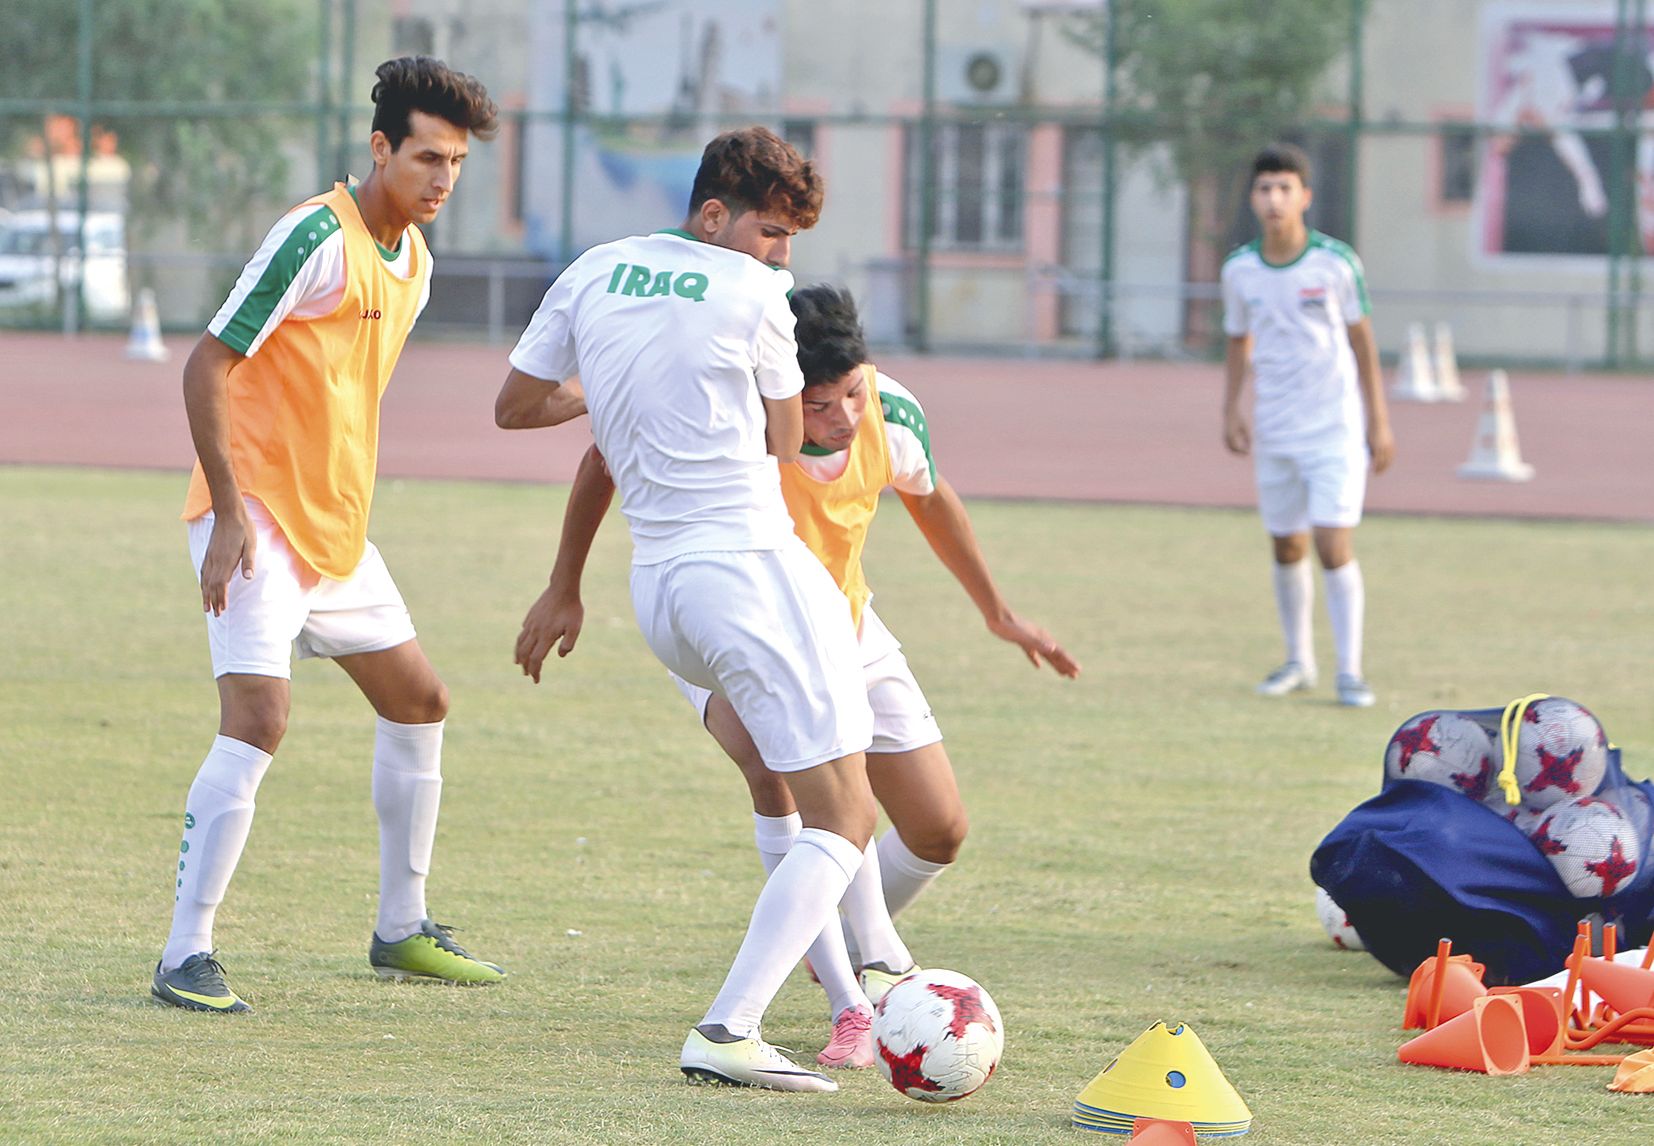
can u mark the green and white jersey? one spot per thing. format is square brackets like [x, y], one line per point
[906, 437]
[297, 273]
[1299, 314]
[677, 343]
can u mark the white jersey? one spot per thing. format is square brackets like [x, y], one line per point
[298, 272]
[906, 437]
[1299, 315]
[674, 341]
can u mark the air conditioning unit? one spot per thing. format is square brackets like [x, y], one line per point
[976, 75]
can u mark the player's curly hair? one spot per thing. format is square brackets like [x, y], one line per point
[752, 168]
[422, 83]
[1287, 157]
[830, 338]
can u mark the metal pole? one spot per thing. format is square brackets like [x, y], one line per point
[1616, 177]
[1633, 225]
[74, 301]
[1105, 268]
[324, 92]
[927, 186]
[565, 238]
[1352, 165]
[347, 61]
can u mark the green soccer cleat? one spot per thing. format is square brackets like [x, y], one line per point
[197, 984]
[875, 980]
[429, 953]
[721, 1059]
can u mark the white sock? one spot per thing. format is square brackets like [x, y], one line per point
[868, 919]
[775, 836]
[218, 814]
[797, 901]
[1295, 602]
[407, 788]
[903, 874]
[1347, 604]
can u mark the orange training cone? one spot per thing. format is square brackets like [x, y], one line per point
[1160, 1132]
[1636, 1074]
[1489, 1038]
[1624, 986]
[1541, 1016]
[1462, 986]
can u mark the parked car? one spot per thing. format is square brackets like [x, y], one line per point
[26, 258]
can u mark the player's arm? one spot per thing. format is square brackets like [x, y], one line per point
[941, 517]
[1381, 444]
[529, 403]
[206, 404]
[557, 616]
[784, 427]
[1237, 356]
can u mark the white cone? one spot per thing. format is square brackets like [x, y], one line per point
[145, 345]
[1495, 455]
[1415, 380]
[1446, 364]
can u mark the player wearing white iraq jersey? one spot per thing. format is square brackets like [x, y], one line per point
[1296, 312]
[683, 344]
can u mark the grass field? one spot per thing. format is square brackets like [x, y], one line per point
[1138, 852]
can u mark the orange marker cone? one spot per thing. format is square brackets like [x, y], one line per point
[1461, 986]
[1635, 1075]
[1489, 1038]
[1624, 986]
[1541, 1016]
[1160, 1132]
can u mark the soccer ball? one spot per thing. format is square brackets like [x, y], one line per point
[1443, 748]
[1336, 923]
[1561, 752]
[938, 1036]
[1592, 844]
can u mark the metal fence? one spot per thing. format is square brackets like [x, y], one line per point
[1025, 176]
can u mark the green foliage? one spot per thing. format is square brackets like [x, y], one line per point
[1138, 844]
[1216, 79]
[206, 168]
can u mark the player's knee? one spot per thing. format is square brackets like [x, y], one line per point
[257, 720]
[429, 704]
[1291, 549]
[940, 839]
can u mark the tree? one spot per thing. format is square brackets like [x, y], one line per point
[1214, 80]
[202, 169]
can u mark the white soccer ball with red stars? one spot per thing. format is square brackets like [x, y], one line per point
[938, 1036]
[1592, 845]
[1336, 923]
[1561, 752]
[1445, 748]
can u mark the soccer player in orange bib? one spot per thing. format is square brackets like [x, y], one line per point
[863, 433]
[282, 395]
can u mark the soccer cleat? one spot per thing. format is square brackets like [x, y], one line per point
[1354, 692]
[430, 953]
[875, 981]
[197, 984]
[852, 1043]
[745, 1062]
[1290, 677]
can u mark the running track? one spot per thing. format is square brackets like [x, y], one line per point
[1004, 427]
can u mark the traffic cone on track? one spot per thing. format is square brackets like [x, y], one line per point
[145, 345]
[1495, 455]
[1446, 364]
[1415, 378]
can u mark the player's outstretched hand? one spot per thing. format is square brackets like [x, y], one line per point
[1037, 644]
[552, 620]
[231, 546]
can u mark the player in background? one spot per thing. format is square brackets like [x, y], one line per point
[1296, 312]
[683, 343]
[863, 433]
[282, 395]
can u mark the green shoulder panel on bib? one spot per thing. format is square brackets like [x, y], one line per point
[1346, 252]
[1251, 248]
[255, 310]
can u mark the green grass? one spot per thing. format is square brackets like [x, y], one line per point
[1138, 848]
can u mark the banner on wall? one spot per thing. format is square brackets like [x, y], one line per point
[657, 79]
[1551, 70]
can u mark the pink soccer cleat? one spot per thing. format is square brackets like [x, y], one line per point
[851, 1046]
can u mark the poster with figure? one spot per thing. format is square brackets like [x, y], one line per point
[654, 81]
[1549, 82]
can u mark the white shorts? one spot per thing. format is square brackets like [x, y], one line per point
[1298, 491]
[769, 631]
[902, 719]
[288, 607]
